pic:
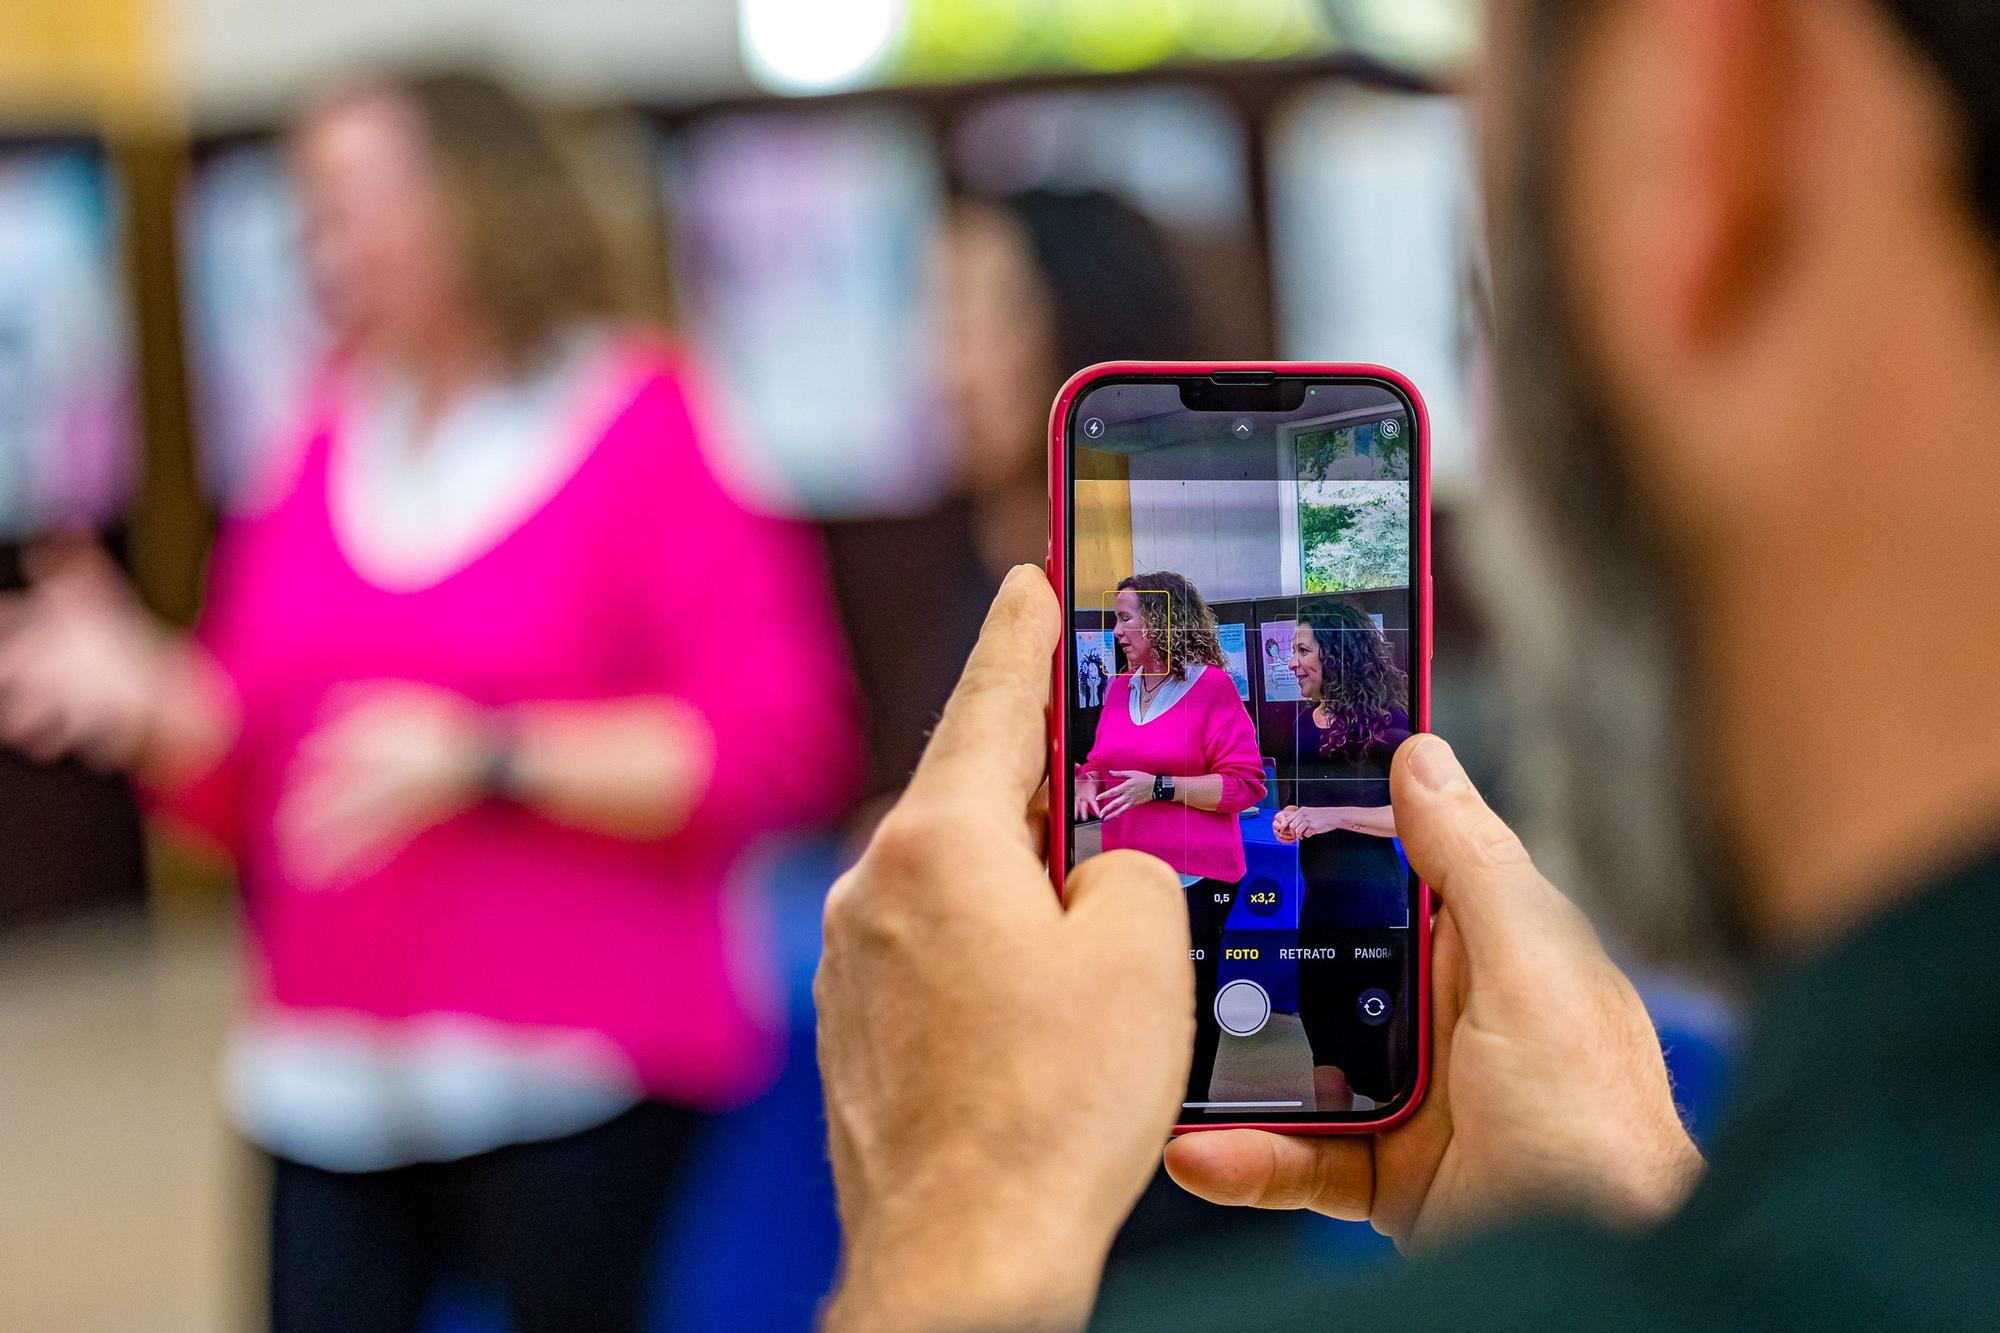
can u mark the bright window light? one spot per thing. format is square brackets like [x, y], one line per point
[812, 46]
[1424, 33]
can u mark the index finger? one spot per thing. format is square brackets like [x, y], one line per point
[991, 745]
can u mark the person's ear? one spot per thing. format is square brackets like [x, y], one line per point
[1672, 207]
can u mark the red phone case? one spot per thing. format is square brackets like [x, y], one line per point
[1420, 511]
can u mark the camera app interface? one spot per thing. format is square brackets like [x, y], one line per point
[1242, 600]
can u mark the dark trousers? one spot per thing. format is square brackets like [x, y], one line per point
[563, 1230]
[1205, 921]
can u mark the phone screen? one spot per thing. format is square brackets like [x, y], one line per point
[1243, 582]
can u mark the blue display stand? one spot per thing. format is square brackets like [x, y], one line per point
[1270, 867]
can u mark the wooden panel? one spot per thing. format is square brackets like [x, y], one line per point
[1102, 541]
[78, 63]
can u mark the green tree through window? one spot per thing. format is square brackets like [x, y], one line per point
[1354, 506]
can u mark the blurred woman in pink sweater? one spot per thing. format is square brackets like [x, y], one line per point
[466, 706]
[1174, 764]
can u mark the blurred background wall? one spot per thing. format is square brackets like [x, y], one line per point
[777, 172]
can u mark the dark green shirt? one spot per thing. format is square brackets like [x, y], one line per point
[1855, 1182]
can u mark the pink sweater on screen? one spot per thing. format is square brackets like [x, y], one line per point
[1205, 732]
[639, 576]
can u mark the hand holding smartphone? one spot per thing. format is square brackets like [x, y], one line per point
[1242, 556]
[948, 972]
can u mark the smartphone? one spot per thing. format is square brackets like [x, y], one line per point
[1243, 557]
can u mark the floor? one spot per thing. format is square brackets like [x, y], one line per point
[124, 1202]
[1274, 1065]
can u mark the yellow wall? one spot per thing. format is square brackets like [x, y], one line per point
[1102, 541]
[78, 64]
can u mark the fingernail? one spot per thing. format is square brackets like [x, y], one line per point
[1434, 765]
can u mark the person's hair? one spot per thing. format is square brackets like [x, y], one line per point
[536, 259]
[1360, 686]
[1177, 620]
[1111, 276]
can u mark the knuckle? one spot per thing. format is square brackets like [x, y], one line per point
[908, 843]
[1338, 1190]
[1146, 890]
[837, 913]
[1119, 859]
[1282, 1194]
[1002, 686]
[880, 903]
[1579, 925]
[1492, 843]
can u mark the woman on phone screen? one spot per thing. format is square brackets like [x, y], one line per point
[1341, 819]
[1174, 764]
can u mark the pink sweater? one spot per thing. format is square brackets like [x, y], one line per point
[1205, 732]
[638, 577]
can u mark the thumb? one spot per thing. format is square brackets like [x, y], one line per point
[1129, 894]
[1255, 1169]
[1464, 851]
[1126, 917]
[1126, 908]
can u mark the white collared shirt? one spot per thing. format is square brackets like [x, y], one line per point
[1166, 697]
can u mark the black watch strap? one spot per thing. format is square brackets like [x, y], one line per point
[499, 774]
[1163, 788]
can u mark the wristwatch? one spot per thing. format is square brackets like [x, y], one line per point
[1163, 788]
[497, 773]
